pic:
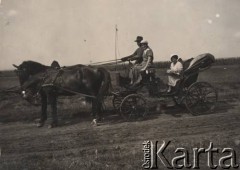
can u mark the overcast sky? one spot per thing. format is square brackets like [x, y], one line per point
[80, 31]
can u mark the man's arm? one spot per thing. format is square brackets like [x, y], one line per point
[130, 56]
[138, 54]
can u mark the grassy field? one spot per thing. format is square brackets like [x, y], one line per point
[115, 144]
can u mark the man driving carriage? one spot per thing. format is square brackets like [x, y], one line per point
[137, 55]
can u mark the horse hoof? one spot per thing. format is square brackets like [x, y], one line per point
[52, 126]
[40, 124]
[94, 122]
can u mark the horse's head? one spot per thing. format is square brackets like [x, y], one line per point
[22, 72]
[29, 74]
[27, 69]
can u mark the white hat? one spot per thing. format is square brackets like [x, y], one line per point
[144, 42]
[174, 55]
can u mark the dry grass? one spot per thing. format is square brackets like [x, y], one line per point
[115, 144]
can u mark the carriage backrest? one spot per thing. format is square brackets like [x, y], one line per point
[187, 63]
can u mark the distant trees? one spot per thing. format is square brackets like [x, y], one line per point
[228, 61]
[166, 64]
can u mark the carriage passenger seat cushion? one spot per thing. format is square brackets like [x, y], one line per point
[186, 63]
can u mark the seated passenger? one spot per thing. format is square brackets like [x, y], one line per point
[135, 72]
[174, 73]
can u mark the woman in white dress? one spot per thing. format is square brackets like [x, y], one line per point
[174, 73]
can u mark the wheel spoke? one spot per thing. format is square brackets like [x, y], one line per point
[133, 106]
[201, 98]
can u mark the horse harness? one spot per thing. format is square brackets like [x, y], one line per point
[58, 78]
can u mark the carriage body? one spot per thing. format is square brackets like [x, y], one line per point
[197, 97]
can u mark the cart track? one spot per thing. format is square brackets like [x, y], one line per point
[20, 141]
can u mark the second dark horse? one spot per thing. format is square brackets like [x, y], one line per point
[49, 83]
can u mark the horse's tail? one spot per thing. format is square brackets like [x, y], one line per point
[106, 86]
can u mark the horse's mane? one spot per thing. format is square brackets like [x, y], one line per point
[33, 67]
[30, 62]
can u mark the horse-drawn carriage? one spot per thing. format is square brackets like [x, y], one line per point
[197, 97]
[48, 83]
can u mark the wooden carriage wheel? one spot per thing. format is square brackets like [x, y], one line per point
[133, 106]
[117, 100]
[201, 98]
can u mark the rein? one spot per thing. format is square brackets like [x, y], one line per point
[105, 62]
[71, 91]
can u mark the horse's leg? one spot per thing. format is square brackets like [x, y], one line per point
[44, 110]
[53, 102]
[99, 110]
[94, 111]
[94, 108]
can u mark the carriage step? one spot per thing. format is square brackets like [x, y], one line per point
[45, 85]
[164, 93]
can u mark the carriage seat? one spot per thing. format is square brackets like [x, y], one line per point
[148, 74]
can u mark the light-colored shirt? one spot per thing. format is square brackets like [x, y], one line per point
[148, 53]
[176, 68]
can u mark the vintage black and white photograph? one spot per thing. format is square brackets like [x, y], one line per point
[119, 84]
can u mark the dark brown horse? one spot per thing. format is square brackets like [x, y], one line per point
[49, 83]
